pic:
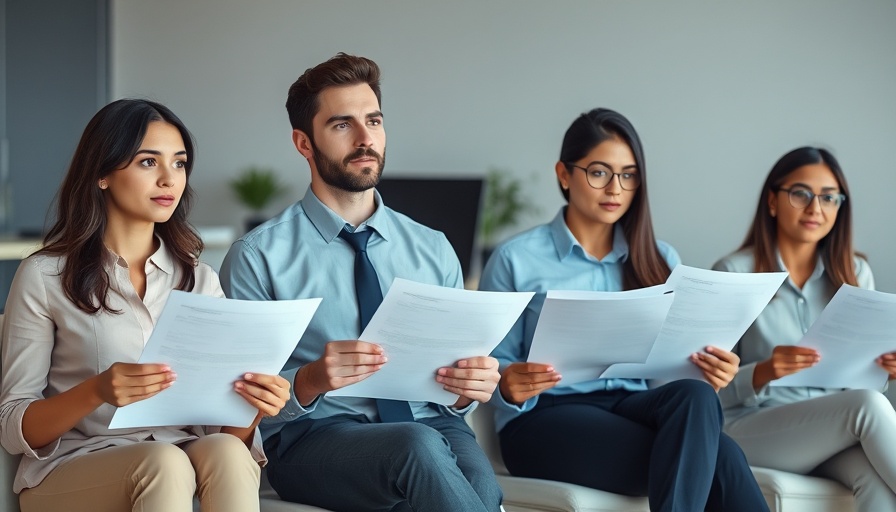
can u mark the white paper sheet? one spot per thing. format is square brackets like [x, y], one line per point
[855, 328]
[210, 342]
[581, 333]
[425, 327]
[710, 308]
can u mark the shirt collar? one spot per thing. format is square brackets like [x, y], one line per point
[819, 266]
[328, 223]
[161, 258]
[565, 241]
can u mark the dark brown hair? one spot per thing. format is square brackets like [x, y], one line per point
[109, 142]
[645, 265]
[835, 248]
[341, 70]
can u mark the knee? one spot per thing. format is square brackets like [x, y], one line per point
[418, 442]
[730, 455]
[867, 407]
[867, 400]
[163, 461]
[695, 392]
[220, 455]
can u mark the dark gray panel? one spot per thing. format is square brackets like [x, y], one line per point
[55, 81]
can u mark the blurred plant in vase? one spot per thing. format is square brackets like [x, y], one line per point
[256, 188]
[503, 207]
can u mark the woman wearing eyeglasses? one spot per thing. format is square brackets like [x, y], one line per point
[610, 434]
[803, 225]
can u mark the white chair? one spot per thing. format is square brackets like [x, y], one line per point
[784, 492]
[789, 492]
[535, 495]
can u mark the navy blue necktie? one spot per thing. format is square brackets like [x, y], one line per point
[367, 290]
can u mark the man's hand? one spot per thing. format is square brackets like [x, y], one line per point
[474, 379]
[343, 363]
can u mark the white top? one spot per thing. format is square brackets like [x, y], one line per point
[49, 346]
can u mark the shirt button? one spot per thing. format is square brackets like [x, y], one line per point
[800, 301]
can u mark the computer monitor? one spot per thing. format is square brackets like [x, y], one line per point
[444, 204]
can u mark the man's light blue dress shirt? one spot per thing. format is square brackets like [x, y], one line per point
[298, 254]
[548, 257]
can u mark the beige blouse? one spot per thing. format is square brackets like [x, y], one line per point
[49, 346]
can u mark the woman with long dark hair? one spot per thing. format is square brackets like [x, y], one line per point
[78, 315]
[803, 225]
[610, 434]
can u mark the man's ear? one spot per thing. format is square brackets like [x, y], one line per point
[303, 144]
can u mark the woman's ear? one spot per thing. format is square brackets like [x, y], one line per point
[562, 175]
[772, 203]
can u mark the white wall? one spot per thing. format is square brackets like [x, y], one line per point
[717, 90]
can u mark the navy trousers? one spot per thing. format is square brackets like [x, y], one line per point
[664, 443]
[345, 463]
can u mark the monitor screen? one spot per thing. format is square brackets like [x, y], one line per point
[447, 205]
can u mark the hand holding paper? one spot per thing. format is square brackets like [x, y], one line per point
[473, 379]
[342, 364]
[425, 327]
[581, 333]
[852, 332]
[711, 308]
[210, 343]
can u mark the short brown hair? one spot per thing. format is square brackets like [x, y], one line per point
[343, 69]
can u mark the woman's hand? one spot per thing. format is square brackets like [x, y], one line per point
[888, 363]
[521, 381]
[126, 383]
[267, 393]
[718, 366]
[785, 360]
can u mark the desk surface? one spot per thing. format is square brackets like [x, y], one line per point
[11, 248]
[18, 248]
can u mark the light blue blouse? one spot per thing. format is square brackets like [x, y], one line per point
[548, 257]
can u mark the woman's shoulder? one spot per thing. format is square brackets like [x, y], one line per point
[207, 281]
[864, 277]
[668, 253]
[739, 261]
[41, 264]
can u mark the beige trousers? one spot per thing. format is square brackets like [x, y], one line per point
[153, 477]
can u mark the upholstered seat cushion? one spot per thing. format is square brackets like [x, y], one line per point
[788, 492]
[530, 495]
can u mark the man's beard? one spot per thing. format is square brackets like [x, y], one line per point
[336, 174]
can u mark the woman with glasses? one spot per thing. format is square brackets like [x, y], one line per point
[610, 434]
[803, 225]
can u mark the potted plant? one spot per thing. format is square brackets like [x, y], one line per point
[255, 188]
[502, 208]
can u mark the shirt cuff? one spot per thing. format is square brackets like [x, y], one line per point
[293, 409]
[499, 402]
[43, 453]
[743, 387]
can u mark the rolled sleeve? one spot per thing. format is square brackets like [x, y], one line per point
[27, 346]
